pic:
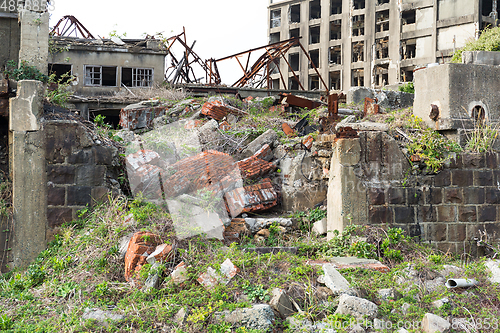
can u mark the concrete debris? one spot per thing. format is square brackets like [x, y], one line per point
[353, 262]
[268, 137]
[364, 126]
[263, 250]
[389, 294]
[357, 307]
[103, 317]
[494, 267]
[152, 282]
[387, 99]
[260, 317]
[235, 230]
[124, 241]
[320, 227]
[256, 224]
[451, 271]
[137, 116]
[211, 278]
[281, 303]
[440, 302]
[144, 156]
[252, 198]
[179, 274]
[208, 127]
[265, 153]
[159, 254]
[432, 323]
[335, 281]
[181, 316]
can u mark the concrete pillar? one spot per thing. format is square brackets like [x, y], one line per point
[347, 203]
[26, 139]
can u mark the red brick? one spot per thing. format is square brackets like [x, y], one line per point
[218, 110]
[253, 167]
[252, 198]
[135, 258]
[308, 142]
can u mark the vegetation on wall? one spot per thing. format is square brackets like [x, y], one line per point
[24, 72]
[488, 41]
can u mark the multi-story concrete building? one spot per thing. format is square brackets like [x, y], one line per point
[371, 43]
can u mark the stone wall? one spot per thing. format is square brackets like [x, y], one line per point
[370, 186]
[81, 170]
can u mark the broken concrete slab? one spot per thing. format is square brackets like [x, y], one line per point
[359, 308]
[179, 274]
[137, 116]
[265, 153]
[491, 58]
[320, 227]
[268, 137]
[388, 294]
[364, 126]
[334, 280]
[102, 316]
[494, 268]
[432, 324]
[211, 278]
[144, 156]
[281, 303]
[387, 99]
[259, 317]
[353, 262]
[256, 224]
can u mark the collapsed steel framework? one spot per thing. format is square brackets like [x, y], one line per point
[69, 25]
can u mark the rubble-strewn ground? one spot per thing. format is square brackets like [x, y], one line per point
[247, 284]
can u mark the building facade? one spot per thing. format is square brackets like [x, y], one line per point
[371, 43]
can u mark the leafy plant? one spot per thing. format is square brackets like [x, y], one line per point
[432, 147]
[488, 41]
[256, 293]
[407, 88]
[6, 323]
[60, 93]
[24, 72]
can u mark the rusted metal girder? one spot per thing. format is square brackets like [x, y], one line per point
[184, 68]
[265, 61]
[299, 101]
[71, 26]
[347, 133]
[371, 106]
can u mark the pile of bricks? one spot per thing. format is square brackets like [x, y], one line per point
[218, 110]
[253, 167]
[252, 198]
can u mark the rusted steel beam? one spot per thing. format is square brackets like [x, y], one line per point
[73, 23]
[371, 106]
[299, 101]
[257, 48]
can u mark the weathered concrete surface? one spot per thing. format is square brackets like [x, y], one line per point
[491, 58]
[281, 303]
[27, 106]
[456, 89]
[346, 192]
[359, 308]
[334, 280]
[268, 137]
[387, 99]
[29, 197]
[494, 267]
[34, 45]
[259, 317]
[9, 35]
[432, 323]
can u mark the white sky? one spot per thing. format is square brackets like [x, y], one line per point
[220, 27]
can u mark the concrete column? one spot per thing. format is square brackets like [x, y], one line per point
[347, 203]
[394, 43]
[369, 41]
[346, 44]
[27, 153]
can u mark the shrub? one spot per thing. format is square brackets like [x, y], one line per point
[489, 41]
[24, 72]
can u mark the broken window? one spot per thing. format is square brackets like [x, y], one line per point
[295, 33]
[137, 77]
[275, 18]
[100, 76]
[381, 75]
[335, 55]
[293, 83]
[381, 2]
[406, 75]
[59, 70]
[293, 59]
[336, 29]
[313, 82]
[335, 7]
[359, 4]
[314, 55]
[314, 35]
[314, 9]
[274, 38]
[358, 25]
[358, 51]
[408, 17]
[335, 80]
[382, 48]
[408, 49]
[294, 13]
[275, 84]
[382, 21]
[358, 77]
[274, 67]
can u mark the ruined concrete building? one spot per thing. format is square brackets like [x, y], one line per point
[372, 43]
[106, 66]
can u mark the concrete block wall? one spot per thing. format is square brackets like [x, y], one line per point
[369, 184]
[79, 171]
[448, 209]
